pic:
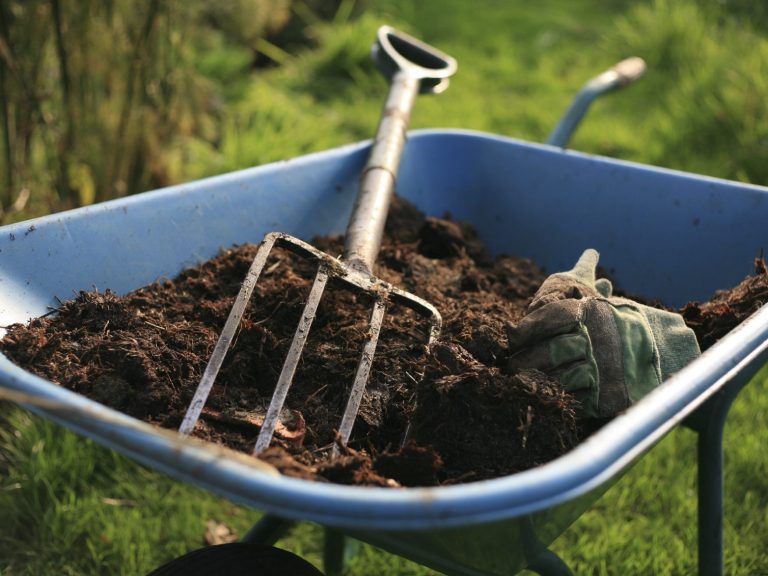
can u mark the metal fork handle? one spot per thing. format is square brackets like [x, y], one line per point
[412, 67]
[377, 184]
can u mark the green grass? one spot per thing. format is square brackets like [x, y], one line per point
[646, 524]
[68, 506]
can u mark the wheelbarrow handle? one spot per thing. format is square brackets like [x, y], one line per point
[618, 76]
[412, 67]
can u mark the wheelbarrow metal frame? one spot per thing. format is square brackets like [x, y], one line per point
[511, 190]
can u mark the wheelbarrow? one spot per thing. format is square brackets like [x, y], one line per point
[706, 231]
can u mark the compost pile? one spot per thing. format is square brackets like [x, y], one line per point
[429, 417]
[728, 308]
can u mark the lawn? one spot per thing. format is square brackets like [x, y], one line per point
[68, 506]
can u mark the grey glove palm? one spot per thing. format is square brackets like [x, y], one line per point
[606, 350]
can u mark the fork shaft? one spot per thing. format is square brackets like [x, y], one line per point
[411, 66]
[377, 184]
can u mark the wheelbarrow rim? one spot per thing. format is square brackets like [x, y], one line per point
[593, 463]
[589, 467]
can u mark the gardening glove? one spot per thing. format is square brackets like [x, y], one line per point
[608, 351]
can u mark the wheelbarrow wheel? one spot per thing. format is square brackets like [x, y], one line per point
[238, 559]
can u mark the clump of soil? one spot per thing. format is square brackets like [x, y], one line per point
[468, 403]
[429, 417]
[728, 308]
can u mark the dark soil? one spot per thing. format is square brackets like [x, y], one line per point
[429, 417]
[728, 308]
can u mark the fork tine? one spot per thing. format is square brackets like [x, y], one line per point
[327, 267]
[292, 361]
[226, 336]
[363, 371]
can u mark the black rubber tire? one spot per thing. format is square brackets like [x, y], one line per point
[238, 559]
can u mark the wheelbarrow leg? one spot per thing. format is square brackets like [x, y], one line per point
[268, 530]
[711, 494]
[709, 423]
[547, 563]
[540, 558]
[333, 552]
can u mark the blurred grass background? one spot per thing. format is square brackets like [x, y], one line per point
[105, 98]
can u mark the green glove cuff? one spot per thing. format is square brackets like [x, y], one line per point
[676, 342]
[640, 357]
[655, 344]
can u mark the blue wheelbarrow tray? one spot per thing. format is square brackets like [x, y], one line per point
[663, 234]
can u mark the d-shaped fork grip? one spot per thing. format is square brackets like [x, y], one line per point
[411, 67]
